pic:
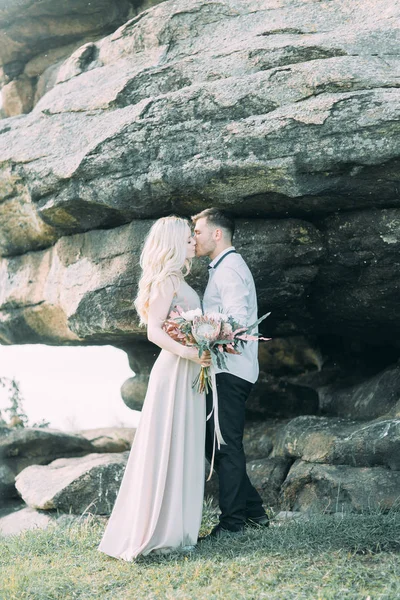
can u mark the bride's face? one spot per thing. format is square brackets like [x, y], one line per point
[190, 246]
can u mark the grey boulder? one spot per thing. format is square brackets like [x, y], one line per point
[76, 485]
[22, 447]
[341, 442]
[340, 488]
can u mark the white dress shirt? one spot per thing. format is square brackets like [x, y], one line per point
[231, 289]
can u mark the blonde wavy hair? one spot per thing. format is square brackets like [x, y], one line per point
[163, 255]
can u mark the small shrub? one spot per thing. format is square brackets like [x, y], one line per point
[15, 412]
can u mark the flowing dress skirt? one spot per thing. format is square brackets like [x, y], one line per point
[159, 504]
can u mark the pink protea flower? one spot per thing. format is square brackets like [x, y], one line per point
[206, 329]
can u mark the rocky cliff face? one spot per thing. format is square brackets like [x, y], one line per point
[285, 112]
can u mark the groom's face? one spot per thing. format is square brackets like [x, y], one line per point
[204, 235]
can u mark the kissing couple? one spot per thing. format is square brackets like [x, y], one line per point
[159, 504]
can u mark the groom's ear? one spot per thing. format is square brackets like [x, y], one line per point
[218, 234]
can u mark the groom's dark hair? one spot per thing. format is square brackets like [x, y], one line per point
[218, 218]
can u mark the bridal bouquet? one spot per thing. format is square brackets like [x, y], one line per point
[218, 333]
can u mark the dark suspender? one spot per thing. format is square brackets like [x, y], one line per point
[221, 259]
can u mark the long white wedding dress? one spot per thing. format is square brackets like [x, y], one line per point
[159, 504]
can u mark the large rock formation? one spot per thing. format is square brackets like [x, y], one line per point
[285, 112]
[279, 112]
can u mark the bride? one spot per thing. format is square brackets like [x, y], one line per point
[159, 504]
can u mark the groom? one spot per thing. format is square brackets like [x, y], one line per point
[231, 289]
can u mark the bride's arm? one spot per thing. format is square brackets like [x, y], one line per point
[158, 312]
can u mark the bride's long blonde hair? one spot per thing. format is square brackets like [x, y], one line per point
[163, 255]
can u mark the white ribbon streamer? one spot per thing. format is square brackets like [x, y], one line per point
[217, 438]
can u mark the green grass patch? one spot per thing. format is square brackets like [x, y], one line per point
[324, 557]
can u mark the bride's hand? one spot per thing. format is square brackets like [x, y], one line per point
[193, 355]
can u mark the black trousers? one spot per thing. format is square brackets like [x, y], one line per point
[238, 499]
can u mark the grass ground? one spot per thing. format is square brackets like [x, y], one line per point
[324, 558]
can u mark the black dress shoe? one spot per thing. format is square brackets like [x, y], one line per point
[219, 532]
[258, 522]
